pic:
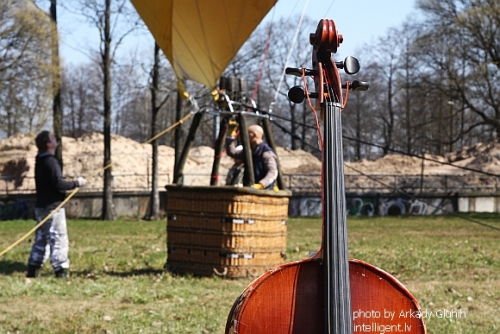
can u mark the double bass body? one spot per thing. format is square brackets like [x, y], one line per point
[290, 299]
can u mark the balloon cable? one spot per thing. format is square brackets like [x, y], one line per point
[264, 56]
[289, 54]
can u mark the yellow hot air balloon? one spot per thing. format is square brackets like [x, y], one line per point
[201, 37]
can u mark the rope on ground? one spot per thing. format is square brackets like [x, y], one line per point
[42, 222]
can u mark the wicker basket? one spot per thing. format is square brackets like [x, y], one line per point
[227, 231]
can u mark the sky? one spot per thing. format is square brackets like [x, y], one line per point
[359, 21]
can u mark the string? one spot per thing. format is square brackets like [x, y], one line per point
[347, 85]
[339, 316]
[315, 113]
[321, 143]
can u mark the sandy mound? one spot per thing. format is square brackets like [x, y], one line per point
[480, 159]
[131, 164]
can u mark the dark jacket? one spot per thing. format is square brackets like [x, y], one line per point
[50, 185]
[262, 167]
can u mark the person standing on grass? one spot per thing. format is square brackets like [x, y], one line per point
[50, 188]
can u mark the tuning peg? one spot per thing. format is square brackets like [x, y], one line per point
[350, 65]
[357, 86]
[296, 94]
[298, 71]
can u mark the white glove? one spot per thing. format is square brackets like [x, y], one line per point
[81, 181]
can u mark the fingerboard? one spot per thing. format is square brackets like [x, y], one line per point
[338, 311]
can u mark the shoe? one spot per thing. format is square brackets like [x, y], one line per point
[32, 271]
[61, 273]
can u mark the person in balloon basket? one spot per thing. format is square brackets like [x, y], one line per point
[236, 172]
[50, 192]
[265, 162]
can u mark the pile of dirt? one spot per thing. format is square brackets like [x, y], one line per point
[131, 163]
[481, 158]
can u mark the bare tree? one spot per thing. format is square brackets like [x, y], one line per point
[358, 122]
[56, 81]
[460, 47]
[388, 63]
[156, 105]
[25, 72]
[129, 91]
[154, 201]
[99, 13]
[81, 91]
[285, 35]
[108, 212]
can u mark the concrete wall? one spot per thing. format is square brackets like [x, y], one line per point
[89, 205]
[135, 204]
[379, 204]
[479, 203]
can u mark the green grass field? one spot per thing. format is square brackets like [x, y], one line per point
[117, 283]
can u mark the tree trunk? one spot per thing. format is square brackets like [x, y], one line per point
[178, 133]
[390, 121]
[303, 136]
[154, 201]
[181, 161]
[358, 134]
[108, 210]
[56, 81]
[294, 128]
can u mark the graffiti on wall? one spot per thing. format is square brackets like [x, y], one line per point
[374, 205]
[400, 206]
[12, 209]
[359, 206]
[305, 206]
[366, 206]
